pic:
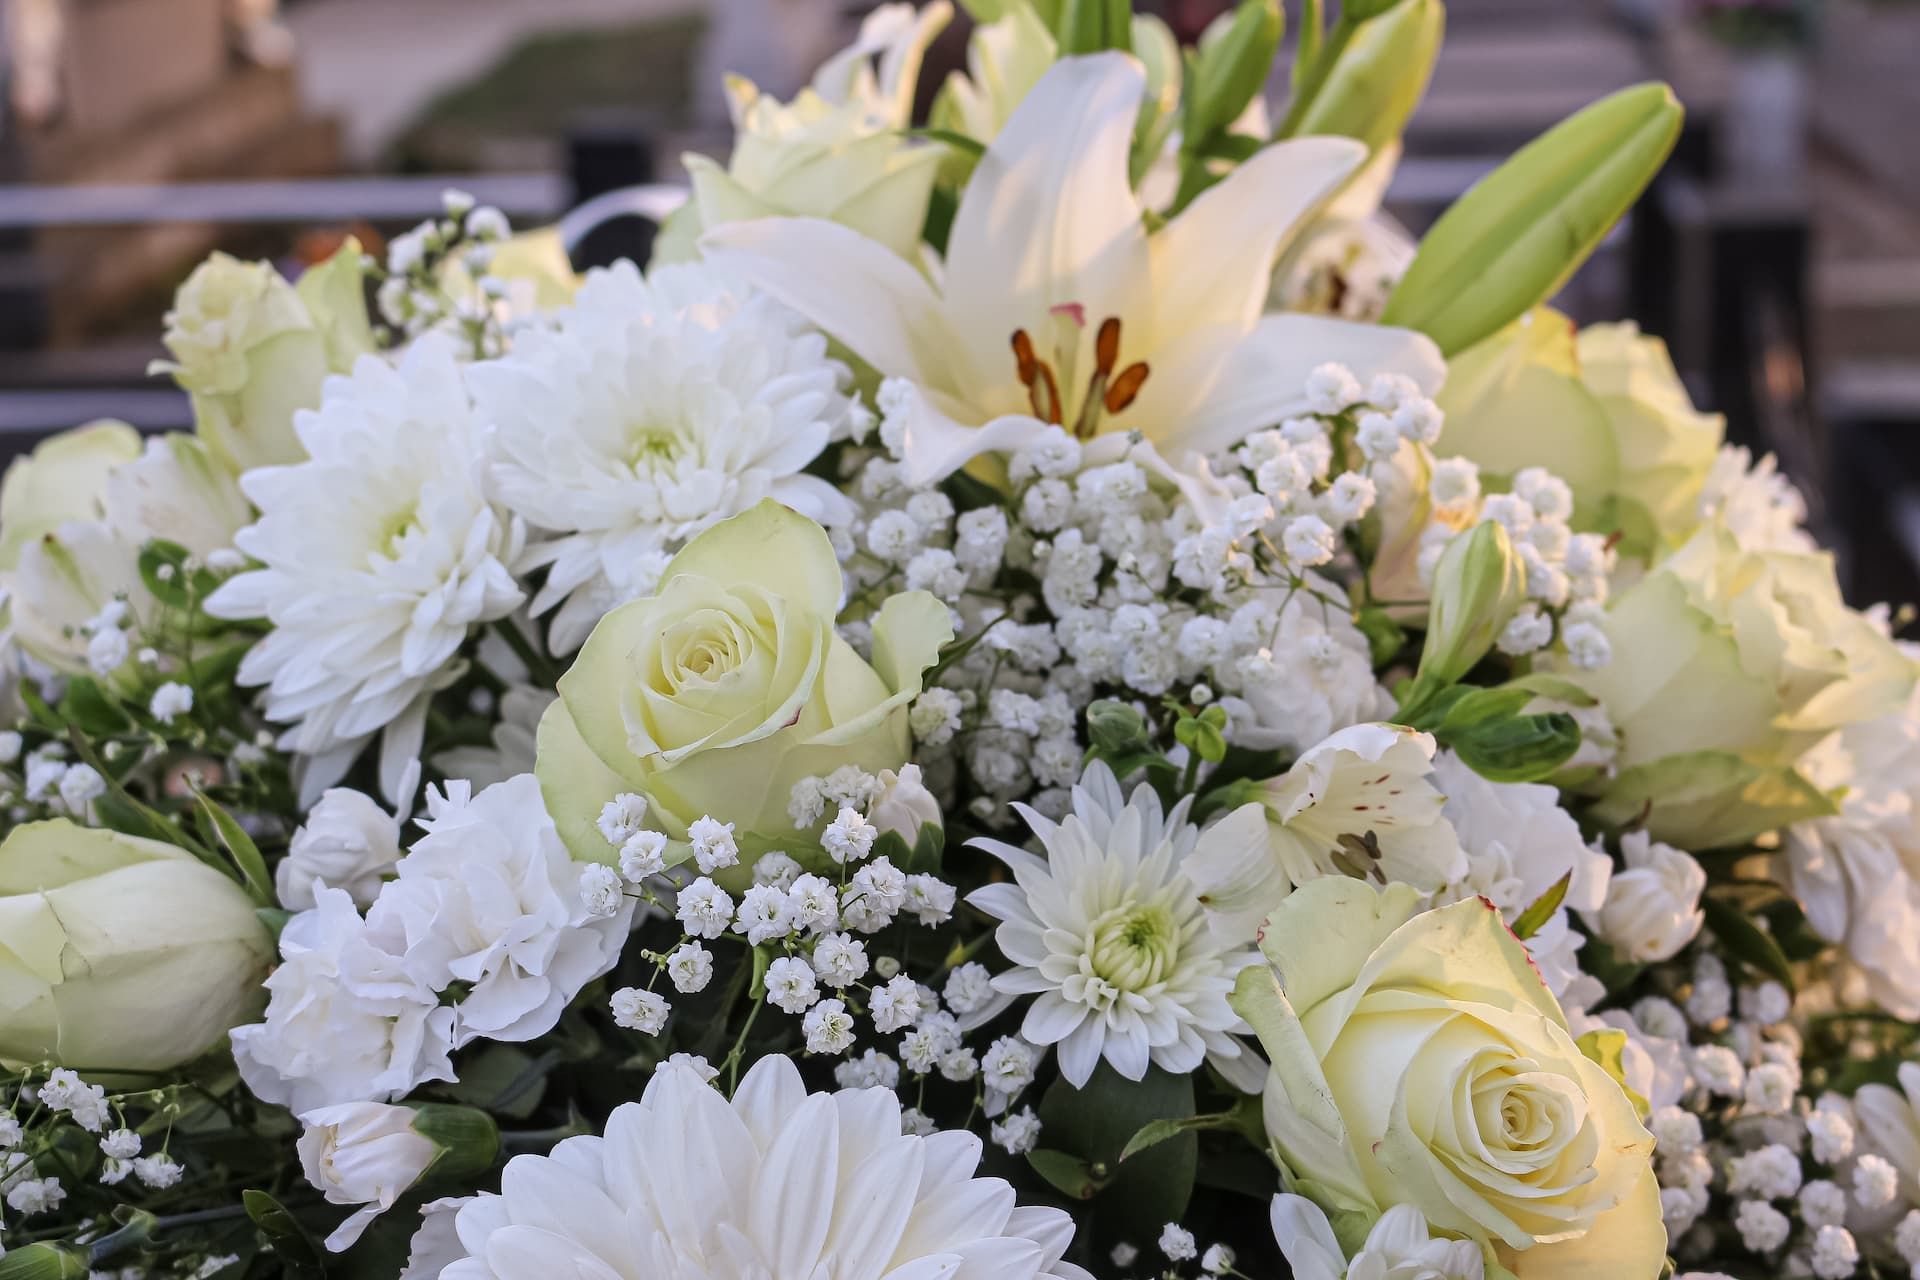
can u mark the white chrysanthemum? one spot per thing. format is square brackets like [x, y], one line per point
[649, 411]
[1109, 936]
[489, 897]
[778, 1184]
[379, 553]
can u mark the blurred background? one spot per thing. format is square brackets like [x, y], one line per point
[1779, 255]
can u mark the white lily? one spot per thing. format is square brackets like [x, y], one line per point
[1112, 328]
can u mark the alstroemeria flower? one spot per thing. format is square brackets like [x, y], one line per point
[1057, 305]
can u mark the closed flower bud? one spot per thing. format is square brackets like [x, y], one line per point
[905, 805]
[1477, 587]
[1653, 905]
[120, 952]
[369, 1154]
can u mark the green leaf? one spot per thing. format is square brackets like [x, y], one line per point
[1745, 940]
[1535, 917]
[1313, 29]
[299, 1258]
[89, 707]
[274, 918]
[1244, 1118]
[1093, 1125]
[1558, 688]
[1385, 637]
[1519, 749]
[1090, 26]
[1069, 1175]
[44, 1261]
[467, 1138]
[961, 142]
[495, 1078]
[1516, 237]
[239, 846]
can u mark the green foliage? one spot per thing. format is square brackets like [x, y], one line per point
[1094, 1125]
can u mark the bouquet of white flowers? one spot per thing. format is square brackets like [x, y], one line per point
[1039, 696]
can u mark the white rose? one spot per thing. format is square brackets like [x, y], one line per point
[251, 349]
[177, 490]
[64, 479]
[1418, 1059]
[838, 151]
[118, 951]
[347, 842]
[362, 1153]
[1653, 906]
[1758, 658]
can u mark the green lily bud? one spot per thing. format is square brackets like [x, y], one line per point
[1515, 238]
[1230, 66]
[1477, 587]
[44, 1261]
[1380, 77]
[1089, 26]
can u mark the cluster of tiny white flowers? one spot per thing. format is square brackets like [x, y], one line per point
[814, 927]
[63, 1099]
[413, 296]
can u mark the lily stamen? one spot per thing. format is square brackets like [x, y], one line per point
[1106, 392]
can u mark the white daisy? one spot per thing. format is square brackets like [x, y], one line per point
[652, 409]
[379, 553]
[777, 1183]
[1109, 936]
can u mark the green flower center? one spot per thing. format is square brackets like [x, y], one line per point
[1134, 946]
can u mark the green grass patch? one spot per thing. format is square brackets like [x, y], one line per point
[547, 83]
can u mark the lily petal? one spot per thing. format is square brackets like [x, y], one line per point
[1210, 264]
[1264, 379]
[872, 301]
[1048, 218]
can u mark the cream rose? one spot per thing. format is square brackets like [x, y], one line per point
[1740, 660]
[118, 952]
[1625, 437]
[838, 151]
[251, 349]
[718, 694]
[1419, 1060]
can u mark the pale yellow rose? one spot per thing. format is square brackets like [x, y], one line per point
[838, 151]
[1729, 663]
[718, 694]
[251, 350]
[1602, 408]
[120, 953]
[64, 478]
[1418, 1059]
